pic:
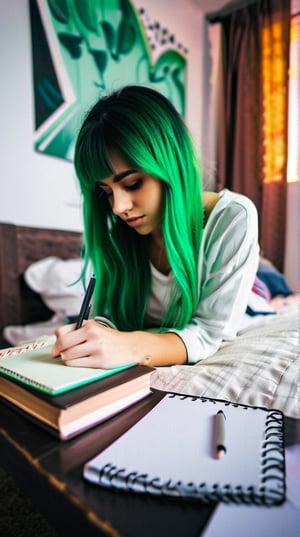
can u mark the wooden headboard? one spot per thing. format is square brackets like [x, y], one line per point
[20, 246]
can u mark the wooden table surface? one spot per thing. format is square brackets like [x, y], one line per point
[50, 473]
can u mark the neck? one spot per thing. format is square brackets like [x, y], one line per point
[157, 254]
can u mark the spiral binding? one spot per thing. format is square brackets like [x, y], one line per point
[12, 351]
[273, 460]
[270, 491]
[23, 380]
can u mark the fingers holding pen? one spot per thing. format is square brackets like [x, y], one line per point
[66, 338]
[95, 345]
[81, 347]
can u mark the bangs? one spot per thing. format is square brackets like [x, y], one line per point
[135, 131]
[92, 161]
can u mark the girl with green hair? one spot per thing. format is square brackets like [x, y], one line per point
[174, 265]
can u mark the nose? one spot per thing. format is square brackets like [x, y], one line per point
[121, 202]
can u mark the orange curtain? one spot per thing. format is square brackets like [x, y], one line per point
[293, 173]
[252, 145]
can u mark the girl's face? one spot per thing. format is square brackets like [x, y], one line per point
[134, 197]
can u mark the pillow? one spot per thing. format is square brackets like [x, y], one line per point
[56, 281]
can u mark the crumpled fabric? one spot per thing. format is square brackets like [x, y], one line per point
[56, 281]
[58, 284]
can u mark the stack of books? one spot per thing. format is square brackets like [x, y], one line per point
[63, 399]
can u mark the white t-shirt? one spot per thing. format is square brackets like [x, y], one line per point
[228, 262]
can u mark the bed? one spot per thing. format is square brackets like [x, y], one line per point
[20, 246]
[261, 367]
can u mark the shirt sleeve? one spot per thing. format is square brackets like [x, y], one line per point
[228, 263]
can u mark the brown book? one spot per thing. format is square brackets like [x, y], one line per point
[70, 413]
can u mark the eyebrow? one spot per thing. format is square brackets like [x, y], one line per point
[121, 175]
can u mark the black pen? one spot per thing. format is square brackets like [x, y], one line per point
[220, 434]
[86, 303]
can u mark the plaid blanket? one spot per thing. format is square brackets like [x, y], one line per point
[261, 367]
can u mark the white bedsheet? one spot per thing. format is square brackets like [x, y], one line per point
[261, 367]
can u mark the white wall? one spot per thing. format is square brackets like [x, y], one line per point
[292, 249]
[35, 190]
[41, 191]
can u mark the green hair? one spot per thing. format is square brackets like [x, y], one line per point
[145, 130]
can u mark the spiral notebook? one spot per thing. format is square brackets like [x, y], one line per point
[33, 365]
[172, 451]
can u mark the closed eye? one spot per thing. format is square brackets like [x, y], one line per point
[100, 192]
[134, 186]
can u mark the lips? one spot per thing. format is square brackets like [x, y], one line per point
[135, 222]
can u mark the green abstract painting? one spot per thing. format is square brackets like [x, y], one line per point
[84, 48]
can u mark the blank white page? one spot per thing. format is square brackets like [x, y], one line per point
[176, 442]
